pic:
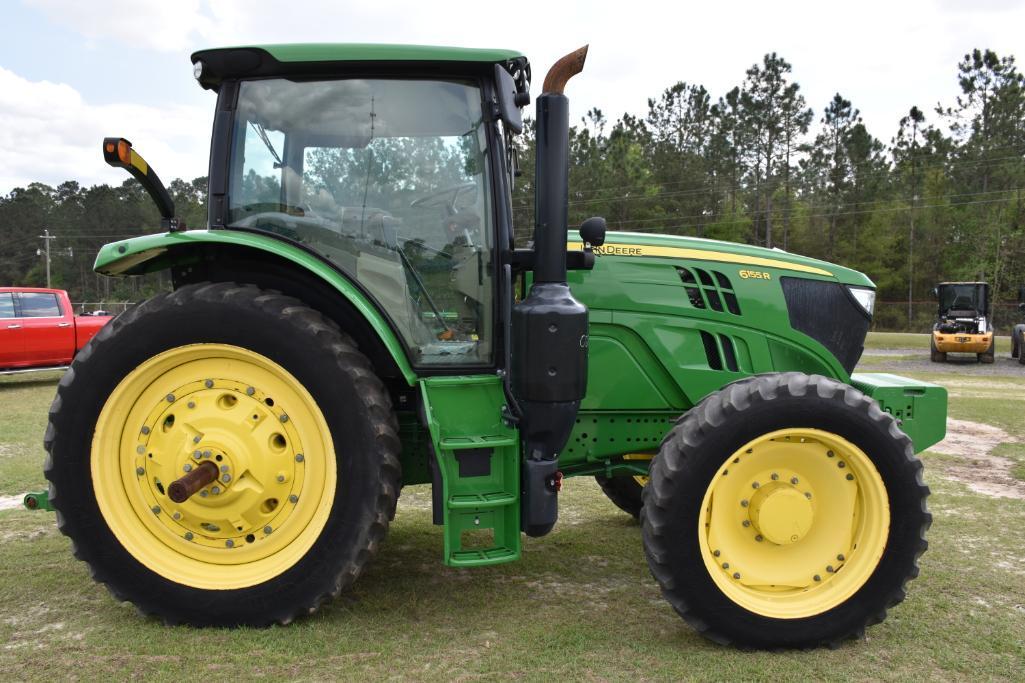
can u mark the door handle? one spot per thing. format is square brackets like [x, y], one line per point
[63, 324]
[14, 327]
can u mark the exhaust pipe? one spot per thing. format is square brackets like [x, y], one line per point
[549, 330]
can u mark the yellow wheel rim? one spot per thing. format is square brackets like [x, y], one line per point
[254, 420]
[794, 523]
[641, 479]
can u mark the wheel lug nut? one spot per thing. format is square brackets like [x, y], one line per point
[204, 493]
[840, 558]
[156, 509]
[841, 464]
[140, 449]
[755, 484]
[192, 404]
[224, 468]
[850, 477]
[215, 490]
[743, 503]
[197, 438]
[230, 543]
[206, 454]
[140, 471]
[145, 429]
[293, 498]
[225, 478]
[775, 476]
[250, 391]
[829, 568]
[725, 565]
[208, 384]
[188, 535]
[197, 454]
[170, 398]
[281, 478]
[747, 522]
[177, 516]
[758, 538]
[817, 577]
[267, 529]
[793, 480]
[716, 553]
[299, 457]
[829, 454]
[284, 418]
[808, 495]
[736, 575]
[187, 467]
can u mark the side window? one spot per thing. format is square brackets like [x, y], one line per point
[39, 305]
[261, 168]
[6, 305]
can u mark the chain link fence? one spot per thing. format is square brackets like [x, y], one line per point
[100, 307]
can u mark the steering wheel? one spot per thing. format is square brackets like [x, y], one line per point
[434, 198]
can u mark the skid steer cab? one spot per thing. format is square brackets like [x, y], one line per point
[963, 322]
[356, 318]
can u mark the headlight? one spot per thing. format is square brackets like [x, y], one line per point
[865, 297]
[197, 69]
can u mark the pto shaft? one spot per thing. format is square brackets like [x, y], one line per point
[181, 490]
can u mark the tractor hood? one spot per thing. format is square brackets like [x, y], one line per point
[677, 246]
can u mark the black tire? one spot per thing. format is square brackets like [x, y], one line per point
[990, 355]
[690, 457]
[624, 491]
[323, 359]
[1015, 352]
[935, 355]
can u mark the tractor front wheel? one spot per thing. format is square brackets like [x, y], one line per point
[935, 355]
[989, 356]
[223, 456]
[786, 511]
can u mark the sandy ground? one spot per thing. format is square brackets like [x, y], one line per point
[10, 502]
[972, 444]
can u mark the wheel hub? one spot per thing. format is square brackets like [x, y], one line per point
[781, 513]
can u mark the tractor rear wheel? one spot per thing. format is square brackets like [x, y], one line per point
[935, 355]
[786, 511]
[990, 355]
[284, 436]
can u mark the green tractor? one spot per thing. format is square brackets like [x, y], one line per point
[356, 318]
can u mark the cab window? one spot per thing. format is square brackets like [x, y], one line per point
[6, 305]
[389, 180]
[38, 305]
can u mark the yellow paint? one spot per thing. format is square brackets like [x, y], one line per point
[788, 532]
[139, 162]
[699, 255]
[962, 343]
[273, 443]
[640, 478]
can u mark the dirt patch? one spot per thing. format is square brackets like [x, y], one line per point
[972, 443]
[10, 502]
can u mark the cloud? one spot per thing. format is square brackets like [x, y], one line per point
[50, 134]
[161, 25]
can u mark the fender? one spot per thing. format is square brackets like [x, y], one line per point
[149, 253]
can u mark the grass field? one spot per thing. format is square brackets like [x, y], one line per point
[581, 604]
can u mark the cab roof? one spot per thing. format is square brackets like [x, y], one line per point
[257, 61]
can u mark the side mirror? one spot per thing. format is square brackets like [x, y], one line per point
[1021, 307]
[935, 293]
[508, 100]
[118, 152]
[592, 231]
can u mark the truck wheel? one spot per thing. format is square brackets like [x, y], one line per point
[624, 491]
[1014, 346]
[788, 511]
[935, 355]
[990, 355]
[250, 387]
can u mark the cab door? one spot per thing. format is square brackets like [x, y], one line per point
[47, 331]
[10, 332]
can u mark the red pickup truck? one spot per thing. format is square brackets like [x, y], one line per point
[39, 329]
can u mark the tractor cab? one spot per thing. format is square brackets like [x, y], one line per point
[963, 323]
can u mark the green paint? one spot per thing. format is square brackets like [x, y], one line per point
[155, 252]
[464, 416]
[37, 500]
[368, 52]
[920, 407]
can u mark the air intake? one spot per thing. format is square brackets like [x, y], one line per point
[704, 292]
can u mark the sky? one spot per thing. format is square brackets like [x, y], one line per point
[72, 72]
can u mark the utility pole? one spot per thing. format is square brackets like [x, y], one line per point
[47, 236]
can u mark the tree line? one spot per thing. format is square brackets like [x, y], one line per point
[940, 200]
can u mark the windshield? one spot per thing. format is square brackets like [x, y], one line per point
[388, 179]
[966, 298]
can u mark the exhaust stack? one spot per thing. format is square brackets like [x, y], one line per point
[549, 344]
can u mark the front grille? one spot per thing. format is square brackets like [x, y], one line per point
[826, 312]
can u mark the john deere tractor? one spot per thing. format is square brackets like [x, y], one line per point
[356, 318]
[963, 322]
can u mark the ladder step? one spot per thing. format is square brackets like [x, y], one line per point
[465, 442]
[477, 558]
[481, 500]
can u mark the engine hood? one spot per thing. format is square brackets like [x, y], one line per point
[670, 246]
